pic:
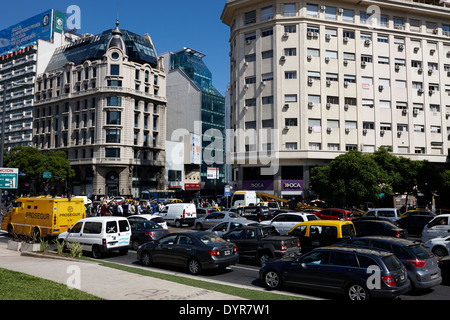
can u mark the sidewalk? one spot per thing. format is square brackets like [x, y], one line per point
[103, 282]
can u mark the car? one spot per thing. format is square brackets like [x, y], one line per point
[440, 246]
[444, 265]
[262, 243]
[214, 218]
[319, 233]
[368, 227]
[149, 217]
[145, 230]
[99, 235]
[347, 271]
[284, 222]
[203, 212]
[195, 251]
[439, 226]
[226, 226]
[390, 213]
[179, 213]
[257, 213]
[335, 214]
[422, 265]
[419, 212]
[414, 222]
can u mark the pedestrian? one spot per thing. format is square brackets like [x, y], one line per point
[119, 209]
[89, 210]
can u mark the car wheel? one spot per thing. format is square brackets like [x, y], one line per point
[96, 252]
[272, 279]
[178, 224]
[356, 292]
[146, 259]
[135, 244]
[264, 257]
[194, 266]
[198, 226]
[440, 251]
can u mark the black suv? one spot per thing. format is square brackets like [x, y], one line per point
[378, 227]
[257, 213]
[357, 273]
[422, 265]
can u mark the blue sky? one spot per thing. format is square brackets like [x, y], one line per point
[172, 25]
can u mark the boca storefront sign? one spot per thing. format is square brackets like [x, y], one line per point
[290, 185]
[257, 184]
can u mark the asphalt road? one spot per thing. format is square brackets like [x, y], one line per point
[246, 274]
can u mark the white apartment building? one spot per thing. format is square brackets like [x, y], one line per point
[334, 76]
[25, 51]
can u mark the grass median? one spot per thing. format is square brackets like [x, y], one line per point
[20, 286]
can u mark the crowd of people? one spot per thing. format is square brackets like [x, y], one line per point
[123, 208]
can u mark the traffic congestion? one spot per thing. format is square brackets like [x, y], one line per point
[380, 253]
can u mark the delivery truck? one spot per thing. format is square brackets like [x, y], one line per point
[42, 217]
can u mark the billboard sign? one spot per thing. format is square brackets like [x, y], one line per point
[196, 149]
[9, 178]
[212, 173]
[60, 22]
[26, 32]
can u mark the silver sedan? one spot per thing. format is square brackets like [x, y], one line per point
[214, 218]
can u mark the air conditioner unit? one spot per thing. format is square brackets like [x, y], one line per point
[346, 83]
[246, 86]
[363, 63]
[347, 130]
[382, 132]
[405, 111]
[430, 92]
[286, 35]
[328, 130]
[435, 31]
[286, 105]
[309, 34]
[328, 36]
[367, 42]
[345, 62]
[399, 133]
[286, 127]
[380, 87]
[246, 108]
[415, 112]
[248, 41]
[430, 71]
[328, 82]
[310, 104]
[323, 8]
[346, 39]
[340, 10]
[245, 64]
[364, 131]
[346, 106]
[448, 74]
[420, 70]
[397, 67]
[310, 80]
[327, 59]
[263, 83]
[421, 90]
[283, 58]
[401, 47]
[309, 128]
[309, 57]
[328, 105]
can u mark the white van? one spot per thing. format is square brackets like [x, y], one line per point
[438, 227]
[100, 234]
[179, 213]
[392, 214]
[244, 198]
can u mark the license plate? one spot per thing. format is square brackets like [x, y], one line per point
[112, 243]
[434, 276]
[226, 252]
[402, 277]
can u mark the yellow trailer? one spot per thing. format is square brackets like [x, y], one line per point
[42, 217]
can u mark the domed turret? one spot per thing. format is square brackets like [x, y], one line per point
[116, 40]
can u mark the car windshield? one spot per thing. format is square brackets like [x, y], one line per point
[419, 252]
[392, 263]
[233, 215]
[209, 238]
[312, 217]
[150, 225]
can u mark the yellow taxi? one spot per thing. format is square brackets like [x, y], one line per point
[321, 233]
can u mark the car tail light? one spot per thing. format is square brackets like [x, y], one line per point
[214, 252]
[418, 263]
[104, 242]
[235, 249]
[388, 280]
[283, 247]
[184, 213]
[397, 234]
[149, 233]
[298, 244]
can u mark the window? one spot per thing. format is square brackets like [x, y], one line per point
[435, 129]
[365, 36]
[112, 135]
[291, 146]
[290, 52]
[267, 100]
[315, 124]
[400, 83]
[351, 125]
[115, 70]
[250, 36]
[289, 10]
[364, 18]
[114, 83]
[383, 60]
[250, 17]
[315, 146]
[331, 32]
[330, 13]
[348, 34]
[333, 147]
[313, 75]
[416, 64]
[267, 32]
[332, 77]
[250, 102]
[368, 125]
[312, 10]
[313, 52]
[435, 108]
[367, 103]
[332, 123]
[384, 82]
[250, 80]
[402, 127]
[267, 54]
[250, 58]
[349, 56]
[112, 152]
[385, 126]
[348, 15]
[290, 74]
[114, 101]
[385, 104]
[292, 122]
[331, 54]
[266, 13]
[313, 98]
[290, 29]
[267, 77]
[399, 23]
[113, 117]
[383, 39]
[366, 58]
[290, 98]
